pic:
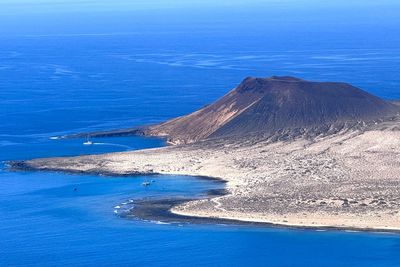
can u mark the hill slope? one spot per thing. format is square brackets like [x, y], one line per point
[267, 105]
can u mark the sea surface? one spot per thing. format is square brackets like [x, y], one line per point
[81, 80]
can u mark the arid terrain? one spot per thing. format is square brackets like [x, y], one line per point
[342, 174]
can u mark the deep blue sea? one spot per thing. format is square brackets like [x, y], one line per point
[80, 78]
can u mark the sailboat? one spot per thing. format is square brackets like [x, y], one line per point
[88, 142]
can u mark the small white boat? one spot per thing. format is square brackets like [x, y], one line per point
[88, 142]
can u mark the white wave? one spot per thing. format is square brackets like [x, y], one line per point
[247, 57]
[296, 71]
[351, 231]
[160, 222]
[62, 71]
[333, 57]
[117, 207]
[8, 143]
[112, 144]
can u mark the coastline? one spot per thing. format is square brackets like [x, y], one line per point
[347, 180]
[164, 209]
[281, 224]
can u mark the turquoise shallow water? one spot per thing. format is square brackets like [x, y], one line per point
[64, 79]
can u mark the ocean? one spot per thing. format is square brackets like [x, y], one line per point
[55, 82]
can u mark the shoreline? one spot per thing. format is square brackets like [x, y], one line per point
[163, 209]
[346, 181]
[288, 225]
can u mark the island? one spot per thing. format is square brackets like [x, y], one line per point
[292, 152]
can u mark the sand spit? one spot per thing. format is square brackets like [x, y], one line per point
[349, 179]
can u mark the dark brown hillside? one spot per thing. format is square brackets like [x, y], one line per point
[294, 103]
[266, 105]
[272, 105]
